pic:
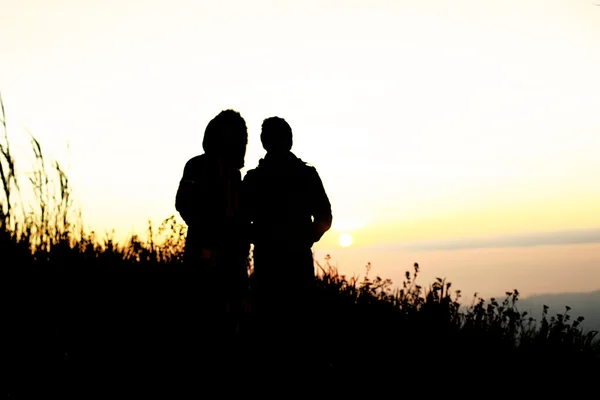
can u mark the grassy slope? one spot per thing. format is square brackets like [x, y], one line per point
[81, 308]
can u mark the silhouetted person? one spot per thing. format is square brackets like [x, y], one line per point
[288, 209]
[217, 248]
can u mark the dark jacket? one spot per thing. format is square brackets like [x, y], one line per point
[208, 201]
[285, 202]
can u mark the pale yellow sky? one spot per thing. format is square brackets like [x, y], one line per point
[426, 119]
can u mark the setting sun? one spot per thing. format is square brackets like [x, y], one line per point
[345, 239]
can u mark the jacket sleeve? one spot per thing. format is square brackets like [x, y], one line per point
[320, 207]
[189, 195]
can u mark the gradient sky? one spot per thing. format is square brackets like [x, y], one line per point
[465, 133]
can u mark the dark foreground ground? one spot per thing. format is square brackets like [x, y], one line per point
[138, 333]
[143, 334]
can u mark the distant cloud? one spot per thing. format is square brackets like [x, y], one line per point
[571, 236]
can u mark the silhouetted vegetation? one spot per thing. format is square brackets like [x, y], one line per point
[82, 307]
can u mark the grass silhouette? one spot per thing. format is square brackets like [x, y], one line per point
[84, 313]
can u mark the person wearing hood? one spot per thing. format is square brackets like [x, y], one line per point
[208, 196]
[217, 247]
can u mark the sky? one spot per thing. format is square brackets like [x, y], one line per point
[463, 135]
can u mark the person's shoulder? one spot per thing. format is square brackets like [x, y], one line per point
[197, 162]
[311, 174]
[202, 158]
[308, 167]
[199, 166]
[303, 164]
[251, 174]
[257, 170]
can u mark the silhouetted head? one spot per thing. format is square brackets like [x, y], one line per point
[276, 135]
[226, 136]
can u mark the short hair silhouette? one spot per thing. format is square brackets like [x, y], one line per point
[227, 135]
[276, 134]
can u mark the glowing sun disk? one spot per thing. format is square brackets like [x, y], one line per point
[345, 239]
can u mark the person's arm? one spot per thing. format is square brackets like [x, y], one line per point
[189, 194]
[321, 207]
